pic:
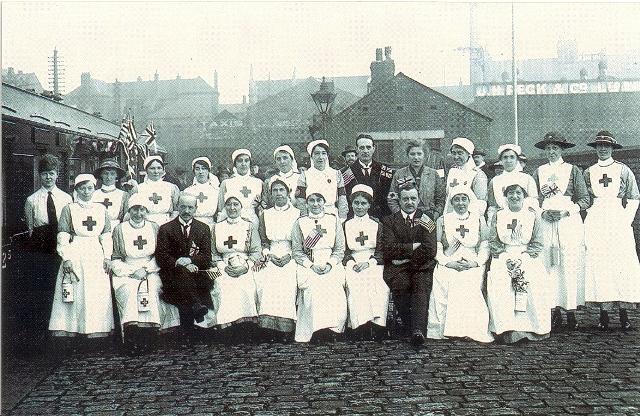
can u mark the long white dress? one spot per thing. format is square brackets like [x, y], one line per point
[134, 248]
[163, 199]
[516, 232]
[84, 238]
[322, 302]
[562, 188]
[115, 200]
[277, 287]
[248, 189]
[613, 270]
[235, 241]
[367, 293]
[207, 195]
[457, 307]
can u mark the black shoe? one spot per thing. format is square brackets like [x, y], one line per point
[625, 324]
[417, 338]
[199, 311]
[572, 322]
[603, 325]
[556, 320]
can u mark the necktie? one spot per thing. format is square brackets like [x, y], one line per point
[185, 231]
[367, 175]
[51, 210]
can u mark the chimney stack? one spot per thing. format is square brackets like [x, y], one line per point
[381, 71]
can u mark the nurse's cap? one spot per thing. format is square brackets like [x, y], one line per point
[85, 177]
[138, 200]
[362, 188]
[149, 159]
[465, 143]
[314, 143]
[239, 152]
[203, 159]
[461, 190]
[510, 146]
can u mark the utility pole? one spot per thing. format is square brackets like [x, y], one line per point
[56, 74]
[514, 79]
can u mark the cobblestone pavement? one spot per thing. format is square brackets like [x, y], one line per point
[585, 372]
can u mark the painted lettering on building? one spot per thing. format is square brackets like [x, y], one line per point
[557, 88]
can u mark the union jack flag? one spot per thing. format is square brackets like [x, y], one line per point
[260, 264]
[151, 131]
[386, 171]
[404, 182]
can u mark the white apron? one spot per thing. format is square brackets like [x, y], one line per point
[113, 201]
[367, 293]
[160, 203]
[567, 271]
[140, 245]
[500, 293]
[234, 299]
[457, 307]
[613, 271]
[322, 301]
[91, 312]
[277, 287]
[207, 196]
[248, 189]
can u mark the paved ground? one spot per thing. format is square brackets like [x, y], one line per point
[587, 372]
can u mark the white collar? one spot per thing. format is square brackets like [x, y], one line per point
[108, 188]
[605, 163]
[464, 216]
[286, 175]
[557, 163]
[362, 165]
[283, 208]
[365, 217]
[138, 225]
[83, 204]
[233, 220]
[314, 216]
[481, 165]
[405, 215]
[188, 224]
[53, 190]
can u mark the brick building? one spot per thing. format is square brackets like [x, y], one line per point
[399, 108]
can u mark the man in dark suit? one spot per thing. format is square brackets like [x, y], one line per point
[478, 159]
[408, 242]
[367, 171]
[183, 253]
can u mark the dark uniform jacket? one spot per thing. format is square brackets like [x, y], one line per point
[171, 246]
[379, 180]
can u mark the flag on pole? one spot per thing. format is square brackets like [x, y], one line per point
[312, 239]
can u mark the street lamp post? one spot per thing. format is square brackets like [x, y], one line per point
[324, 99]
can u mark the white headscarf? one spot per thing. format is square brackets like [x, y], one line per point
[469, 147]
[286, 148]
[518, 151]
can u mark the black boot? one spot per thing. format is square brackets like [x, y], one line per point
[625, 324]
[556, 320]
[603, 325]
[572, 322]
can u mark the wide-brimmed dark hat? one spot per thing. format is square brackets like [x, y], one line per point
[555, 138]
[604, 137]
[109, 164]
[349, 149]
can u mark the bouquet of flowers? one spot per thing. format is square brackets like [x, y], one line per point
[519, 284]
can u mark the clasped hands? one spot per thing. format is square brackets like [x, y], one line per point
[186, 262]
[279, 261]
[321, 269]
[462, 264]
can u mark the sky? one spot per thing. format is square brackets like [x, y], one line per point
[125, 40]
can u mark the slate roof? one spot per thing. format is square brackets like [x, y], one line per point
[36, 109]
